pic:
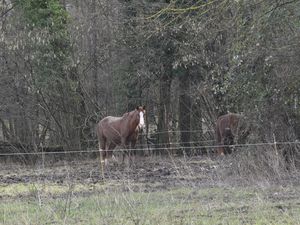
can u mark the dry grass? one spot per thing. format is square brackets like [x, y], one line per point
[156, 190]
[268, 205]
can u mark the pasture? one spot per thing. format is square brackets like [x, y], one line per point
[155, 190]
[206, 93]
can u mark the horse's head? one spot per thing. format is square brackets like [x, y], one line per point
[141, 110]
[244, 129]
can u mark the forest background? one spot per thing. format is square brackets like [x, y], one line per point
[64, 65]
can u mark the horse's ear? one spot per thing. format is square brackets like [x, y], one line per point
[144, 107]
[137, 108]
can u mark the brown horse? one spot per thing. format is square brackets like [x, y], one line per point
[231, 128]
[114, 131]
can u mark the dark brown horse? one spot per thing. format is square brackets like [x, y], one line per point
[114, 131]
[230, 129]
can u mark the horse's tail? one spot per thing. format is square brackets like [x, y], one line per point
[228, 136]
[96, 129]
[227, 132]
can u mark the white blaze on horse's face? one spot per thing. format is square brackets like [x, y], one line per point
[142, 121]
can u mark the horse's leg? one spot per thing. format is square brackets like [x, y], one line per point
[125, 147]
[102, 147]
[220, 149]
[231, 142]
[228, 140]
[126, 152]
[133, 143]
[111, 147]
[102, 144]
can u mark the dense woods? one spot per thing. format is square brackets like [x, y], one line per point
[64, 65]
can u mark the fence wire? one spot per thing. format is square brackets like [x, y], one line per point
[182, 148]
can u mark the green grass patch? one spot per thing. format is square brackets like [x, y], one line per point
[100, 204]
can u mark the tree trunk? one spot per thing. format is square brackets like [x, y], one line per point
[93, 48]
[196, 123]
[185, 109]
[164, 107]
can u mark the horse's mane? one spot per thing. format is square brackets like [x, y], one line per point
[125, 115]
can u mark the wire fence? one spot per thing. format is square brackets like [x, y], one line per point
[182, 148]
[180, 131]
[169, 143]
[149, 135]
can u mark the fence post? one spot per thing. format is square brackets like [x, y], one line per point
[101, 162]
[43, 158]
[276, 154]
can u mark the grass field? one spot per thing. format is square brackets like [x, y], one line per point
[137, 201]
[31, 204]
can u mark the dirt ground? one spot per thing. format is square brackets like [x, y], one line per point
[166, 171]
[174, 189]
[149, 173]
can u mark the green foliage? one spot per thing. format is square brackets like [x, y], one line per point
[43, 47]
[242, 55]
[256, 61]
[49, 42]
[44, 14]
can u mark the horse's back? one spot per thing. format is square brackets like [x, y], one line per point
[108, 121]
[109, 129]
[228, 122]
[233, 125]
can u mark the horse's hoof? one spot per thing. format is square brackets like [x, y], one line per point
[114, 158]
[104, 162]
